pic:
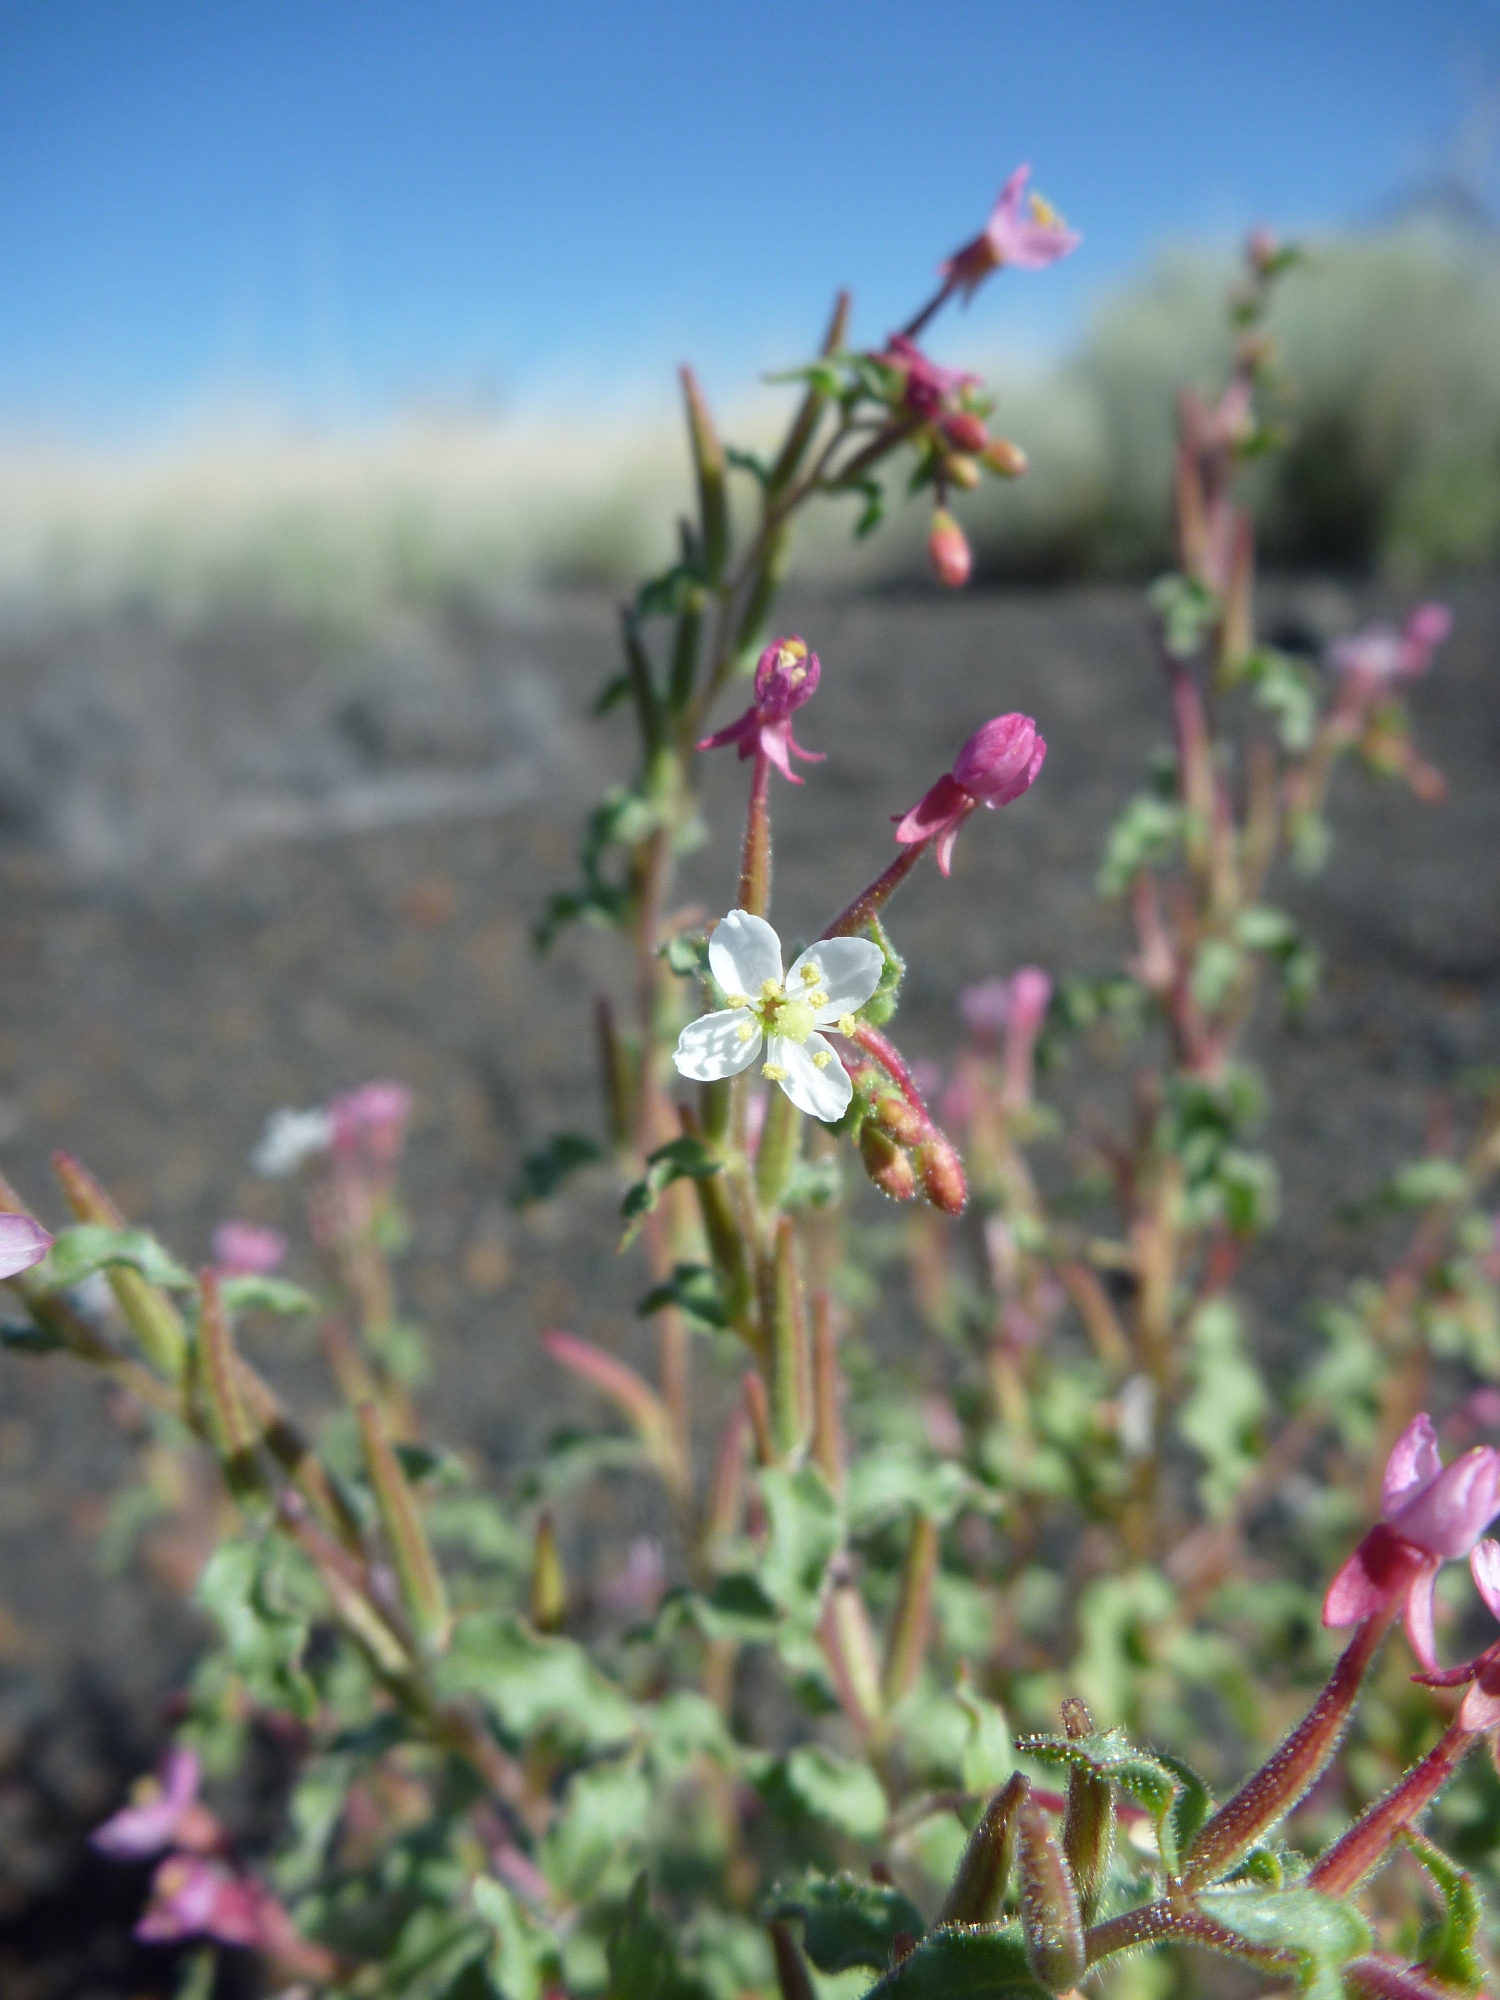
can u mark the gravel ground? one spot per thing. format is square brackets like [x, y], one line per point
[246, 863]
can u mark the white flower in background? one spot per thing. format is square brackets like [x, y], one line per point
[290, 1139]
[824, 988]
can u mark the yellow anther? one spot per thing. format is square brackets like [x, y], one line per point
[737, 999]
[774, 1073]
[846, 1024]
[811, 974]
[770, 989]
[818, 999]
[1043, 212]
[745, 1030]
[822, 1059]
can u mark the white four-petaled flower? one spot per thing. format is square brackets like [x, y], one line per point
[824, 988]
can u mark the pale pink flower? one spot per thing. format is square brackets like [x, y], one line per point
[997, 764]
[1023, 230]
[370, 1122]
[786, 676]
[637, 1589]
[163, 1812]
[1380, 655]
[248, 1249]
[985, 1009]
[1481, 1705]
[948, 551]
[23, 1242]
[1429, 1515]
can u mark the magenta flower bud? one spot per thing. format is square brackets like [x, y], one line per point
[786, 676]
[23, 1242]
[161, 1809]
[997, 764]
[1429, 1515]
[965, 431]
[1022, 230]
[928, 388]
[247, 1249]
[948, 551]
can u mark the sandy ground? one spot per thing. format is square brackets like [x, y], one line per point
[246, 863]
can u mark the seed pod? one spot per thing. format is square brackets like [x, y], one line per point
[885, 1163]
[895, 1115]
[422, 1593]
[549, 1583]
[1089, 1822]
[942, 1173]
[1049, 1905]
[217, 1367]
[979, 1887]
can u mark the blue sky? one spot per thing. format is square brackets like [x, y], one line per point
[331, 209]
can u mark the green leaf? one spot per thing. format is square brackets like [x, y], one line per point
[604, 1814]
[243, 1587]
[1320, 1934]
[543, 1172]
[1424, 1182]
[1145, 835]
[523, 1960]
[680, 1159]
[736, 1608]
[989, 1756]
[1109, 1753]
[1188, 611]
[841, 1791]
[260, 1294]
[804, 1533]
[25, 1337]
[79, 1252]
[694, 1288]
[531, 1683]
[1190, 1810]
[687, 954]
[1447, 1948]
[847, 1922]
[748, 461]
[1287, 690]
[960, 1962]
[885, 1484]
[643, 1963]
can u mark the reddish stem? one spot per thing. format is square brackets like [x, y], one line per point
[1352, 1857]
[755, 863]
[851, 920]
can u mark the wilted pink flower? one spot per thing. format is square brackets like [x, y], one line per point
[948, 551]
[192, 1897]
[248, 1249]
[163, 1812]
[370, 1122]
[23, 1242]
[929, 387]
[786, 675]
[1429, 1515]
[985, 1009]
[1022, 230]
[1380, 654]
[997, 764]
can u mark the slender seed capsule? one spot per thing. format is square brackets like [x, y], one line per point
[1049, 1905]
[549, 1583]
[1089, 1821]
[422, 1592]
[978, 1890]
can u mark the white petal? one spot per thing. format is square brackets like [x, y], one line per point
[822, 1093]
[848, 972]
[743, 953]
[712, 1046]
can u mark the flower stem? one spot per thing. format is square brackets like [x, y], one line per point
[852, 919]
[755, 862]
[1352, 1857]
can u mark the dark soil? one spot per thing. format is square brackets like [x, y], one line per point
[247, 863]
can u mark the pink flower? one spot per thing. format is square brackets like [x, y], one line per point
[1022, 230]
[997, 764]
[1380, 654]
[636, 1590]
[928, 388]
[1429, 1515]
[786, 676]
[1481, 1705]
[23, 1242]
[164, 1812]
[247, 1249]
[948, 551]
[370, 1122]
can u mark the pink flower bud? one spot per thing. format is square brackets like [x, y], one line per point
[966, 432]
[1001, 456]
[885, 1163]
[23, 1242]
[942, 1173]
[948, 551]
[928, 388]
[247, 1249]
[997, 764]
[371, 1121]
